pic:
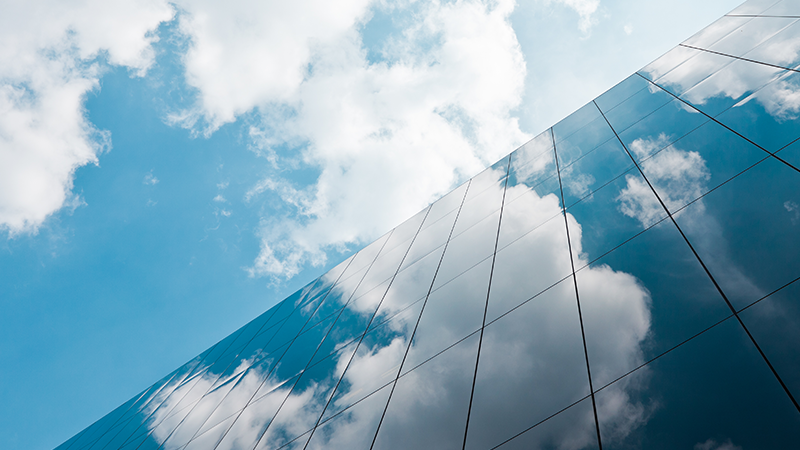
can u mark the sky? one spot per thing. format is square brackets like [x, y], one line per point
[168, 171]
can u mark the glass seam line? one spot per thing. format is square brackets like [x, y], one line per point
[486, 306]
[311, 359]
[578, 299]
[648, 362]
[200, 373]
[708, 272]
[169, 377]
[191, 374]
[333, 392]
[773, 154]
[739, 57]
[419, 317]
[762, 15]
[255, 361]
[250, 400]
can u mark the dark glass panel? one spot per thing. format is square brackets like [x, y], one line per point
[746, 232]
[775, 324]
[664, 126]
[593, 171]
[769, 117]
[648, 100]
[531, 365]
[791, 154]
[642, 299]
[428, 408]
[695, 164]
[572, 428]
[714, 392]
[611, 215]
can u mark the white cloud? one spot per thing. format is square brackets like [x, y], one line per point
[679, 177]
[586, 9]
[244, 54]
[628, 29]
[793, 209]
[150, 179]
[51, 55]
[713, 445]
[389, 137]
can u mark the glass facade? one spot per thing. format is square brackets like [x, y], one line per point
[626, 279]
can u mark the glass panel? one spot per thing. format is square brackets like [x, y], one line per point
[638, 107]
[775, 324]
[575, 121]
[353, 429]
[531, 366]
[750, 35]
[668, 62]
[729, 85]
[446, 205]
[428, 408]
[532, 150]
[690, 72]
[572, 428]
[695, 164]
[430, 239]
[621, 92]
[595, 170]
[714, 392]
[791, 154]
[769, 116]
[783, 8]
[405, 231]
[721, 28]
[745, 234]
[488, 178]
[534, 254]
[453, 311]
[643, 298]
[754, 6]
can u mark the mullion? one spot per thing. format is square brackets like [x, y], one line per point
[578, 300]
[705, 268]
[773, 154]
[333, 392]
[486, 306]
[255, 361]
[416, 325]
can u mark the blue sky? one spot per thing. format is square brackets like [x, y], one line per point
[170, 170]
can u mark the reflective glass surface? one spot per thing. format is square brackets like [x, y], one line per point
[629, 278]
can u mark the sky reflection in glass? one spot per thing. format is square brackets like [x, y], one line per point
[627, 278]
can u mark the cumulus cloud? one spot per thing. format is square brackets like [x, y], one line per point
[390, 136]
[51, 55]
[679, 176]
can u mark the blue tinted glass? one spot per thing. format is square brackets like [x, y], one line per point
[747, 239]
[715, 391]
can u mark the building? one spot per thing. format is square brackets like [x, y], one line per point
[626, 279]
